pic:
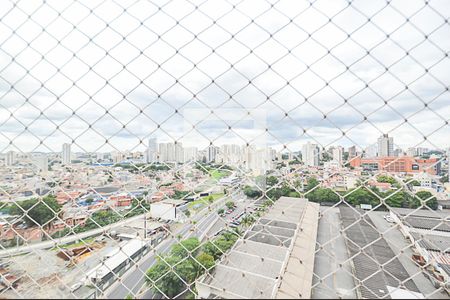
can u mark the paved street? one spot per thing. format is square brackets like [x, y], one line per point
[337, 282]
[134, 279]
[222, 221]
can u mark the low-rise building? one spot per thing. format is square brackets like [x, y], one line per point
[394, 164]
[272, 260]
[169, 209]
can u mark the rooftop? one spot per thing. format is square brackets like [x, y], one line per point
[115, 257]
[172, 201]
[261, 265]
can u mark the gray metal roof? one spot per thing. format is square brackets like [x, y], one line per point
[255, 265]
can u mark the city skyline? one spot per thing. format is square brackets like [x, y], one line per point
[199, 149]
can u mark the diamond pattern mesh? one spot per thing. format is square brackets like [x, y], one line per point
[224, 149]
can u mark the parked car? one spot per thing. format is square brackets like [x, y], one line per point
[388, 218]
[75, 286]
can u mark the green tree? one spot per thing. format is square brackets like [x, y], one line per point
[414, 183]
[312, 183]
[39, 211]
[399, 199]
[252, 192]
[272, 180]
[220, 245]
[427, 198]
[185, 247]
[229, 204]
[162, 279]
[267, 203]
[386, 178]
[180, 194]
[206, 262]
[322, 195]
[247, 221]
[361, 196]
[221, 211]
[274, 194]
[210, 199]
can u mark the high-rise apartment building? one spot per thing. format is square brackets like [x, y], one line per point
[212, 153]
[191, 154]
[41, 162]
[338, 155]
[385, 146]
[152, 151]
[179, 152]
[398, 152]
[66, 154]
[412, 152]
[371, 151]
[351, 152]
[171, 152]
[310, 154]
[421, 151]
[10, 158]
[448, 164]
[117, 156]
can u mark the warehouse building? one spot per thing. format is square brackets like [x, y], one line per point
[273, 260]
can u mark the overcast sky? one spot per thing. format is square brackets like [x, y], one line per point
[124, 71]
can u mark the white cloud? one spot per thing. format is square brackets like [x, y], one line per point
[125, 57]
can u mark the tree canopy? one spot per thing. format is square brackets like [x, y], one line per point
[185, 262]
[37, 210]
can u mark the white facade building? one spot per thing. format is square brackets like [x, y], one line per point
[10, 158]
[385, 146]
[212, 152]
[152, 151]
[310, 154]
[169, 210]
[412, 152]
[66, 155]
[338, 155]
[371, 151]
[41, 162]
[191, 154]
[351, 152]
[171, 152]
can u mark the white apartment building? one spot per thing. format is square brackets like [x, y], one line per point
[421, 151]
[117, 156]
[371, 151]
[152, 151]
[40, 162]
[310, 154]
[338, 155]
[351, 152]
[230, 155]
[171, 152]
[385, 146]
[448, 164]
[66, 155]
[412, 152]
[212, 152]
[190, 154]
[10, 158]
